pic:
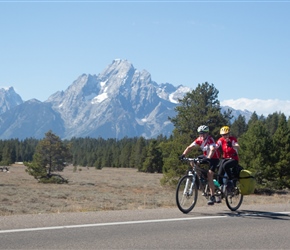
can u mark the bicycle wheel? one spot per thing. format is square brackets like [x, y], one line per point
[234, 199]
[186, 193]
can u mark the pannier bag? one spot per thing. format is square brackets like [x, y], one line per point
[247, 182]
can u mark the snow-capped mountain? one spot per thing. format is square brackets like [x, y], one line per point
[9, 99]
[120, 101]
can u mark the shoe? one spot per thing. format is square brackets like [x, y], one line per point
[211, 200]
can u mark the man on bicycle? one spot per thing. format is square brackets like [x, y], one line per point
[211, 155]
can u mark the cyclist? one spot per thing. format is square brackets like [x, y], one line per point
[230, 158]
[210, 154]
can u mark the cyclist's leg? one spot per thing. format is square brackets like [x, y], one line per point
[221, 171]
[210, 174]
[228, 166]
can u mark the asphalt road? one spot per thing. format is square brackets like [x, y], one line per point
[209, 227]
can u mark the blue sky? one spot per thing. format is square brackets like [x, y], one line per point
[242, 47]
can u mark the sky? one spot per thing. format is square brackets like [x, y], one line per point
[241, 47]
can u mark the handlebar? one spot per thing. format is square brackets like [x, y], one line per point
[195, 160]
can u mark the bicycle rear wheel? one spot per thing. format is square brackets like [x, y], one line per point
[186, 193]
[234, 199]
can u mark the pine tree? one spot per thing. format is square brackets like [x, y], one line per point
[139, 153]
[271, 122]
[50, 155]
[281, 154]
[172, 167]
[239, 126]
[255, 151]
[199, 107]
[253, 119]
[7, 154]
[153, 161]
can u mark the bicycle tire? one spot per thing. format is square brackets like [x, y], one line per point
[234, 199]
[186, 193]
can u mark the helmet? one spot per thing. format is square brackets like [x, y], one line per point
[203, 129]
[225, 130]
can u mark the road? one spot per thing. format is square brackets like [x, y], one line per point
[209, 227]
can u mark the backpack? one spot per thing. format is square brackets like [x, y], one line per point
[247, 182]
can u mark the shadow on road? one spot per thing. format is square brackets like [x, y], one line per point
[258, 214]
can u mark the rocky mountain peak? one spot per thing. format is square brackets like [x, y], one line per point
[8, 99]
[118, 102]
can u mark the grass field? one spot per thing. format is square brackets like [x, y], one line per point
[94, 190]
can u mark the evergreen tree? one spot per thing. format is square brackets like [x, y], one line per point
[271, 122]
[7, 154]
[51, 155]
[239, 126]
[255, 151]
[125, 153]
[139, 153]
[199, 107]
[281, 141]
[153, 161]
[253, 119]
[172, 168]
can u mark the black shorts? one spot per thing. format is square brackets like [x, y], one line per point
[213, 163]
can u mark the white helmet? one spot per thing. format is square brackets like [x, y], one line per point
[203, 129]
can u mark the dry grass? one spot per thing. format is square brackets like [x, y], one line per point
[94, 190]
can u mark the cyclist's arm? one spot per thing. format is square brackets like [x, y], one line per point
[212, 149]
[236, 146]
[188, 149]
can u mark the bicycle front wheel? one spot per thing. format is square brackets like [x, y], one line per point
[234, 199]
[186, 193]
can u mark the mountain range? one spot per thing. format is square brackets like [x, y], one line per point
[119, 102]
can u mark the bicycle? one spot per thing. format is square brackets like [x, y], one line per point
[196, 179]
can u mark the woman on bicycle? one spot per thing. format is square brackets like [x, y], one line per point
[230, 161]
[210, 154]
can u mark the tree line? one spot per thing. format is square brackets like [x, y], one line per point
[264, 144]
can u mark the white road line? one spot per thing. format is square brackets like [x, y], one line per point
[107, 224]
[133, 222]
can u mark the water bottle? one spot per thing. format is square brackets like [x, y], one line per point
[225, 179]
[216, 183]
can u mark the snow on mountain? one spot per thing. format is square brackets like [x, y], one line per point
[168, 92]
[118, 102]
